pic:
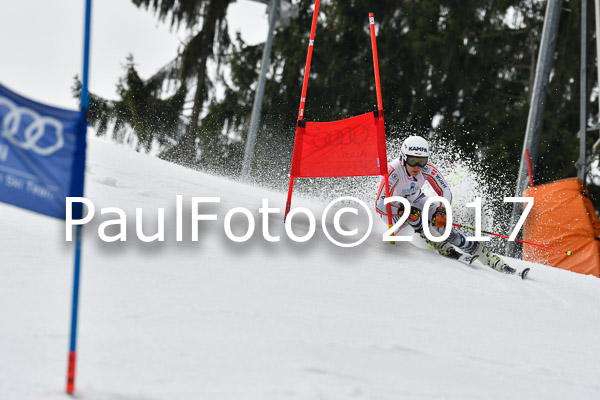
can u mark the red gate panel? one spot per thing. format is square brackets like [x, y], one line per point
[350, 147]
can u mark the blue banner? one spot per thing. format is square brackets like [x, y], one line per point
[42, 155]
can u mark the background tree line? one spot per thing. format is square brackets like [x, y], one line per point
[455, 70]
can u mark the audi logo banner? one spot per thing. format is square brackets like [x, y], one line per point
[42, 154]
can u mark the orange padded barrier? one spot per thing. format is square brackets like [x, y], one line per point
[562, 217]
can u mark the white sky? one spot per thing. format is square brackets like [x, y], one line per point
[42, 44]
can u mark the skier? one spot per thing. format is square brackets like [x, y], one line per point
[407, 174]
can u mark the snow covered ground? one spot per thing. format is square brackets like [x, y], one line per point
[215, 319]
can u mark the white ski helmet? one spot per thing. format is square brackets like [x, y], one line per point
[415, 151]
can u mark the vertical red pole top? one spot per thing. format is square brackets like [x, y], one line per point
[308, 60]
[529, 168]
[375, 62]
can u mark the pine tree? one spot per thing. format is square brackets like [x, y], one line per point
[141, 107]
[210, 14]
[142, 116]
[468, 65]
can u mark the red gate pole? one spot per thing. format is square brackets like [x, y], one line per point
[375, 62]
[380, 108]
[529, 167]
[288, 203]
[311, 43]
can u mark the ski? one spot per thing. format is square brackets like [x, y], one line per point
[523, 274]
[451, 253]
[512, 271]
[466, 259]
[493, 261]
[469, 259]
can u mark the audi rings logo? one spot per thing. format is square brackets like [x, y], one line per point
[40, 134]
[342, 137]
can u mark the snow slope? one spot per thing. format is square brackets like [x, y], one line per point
[215, 319]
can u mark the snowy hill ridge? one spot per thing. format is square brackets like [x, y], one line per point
[216, 319]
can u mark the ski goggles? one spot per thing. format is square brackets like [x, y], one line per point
[413, 161]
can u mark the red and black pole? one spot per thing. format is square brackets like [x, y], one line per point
[380, 107]
[311, 43]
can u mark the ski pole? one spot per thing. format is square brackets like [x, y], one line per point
[567, 252]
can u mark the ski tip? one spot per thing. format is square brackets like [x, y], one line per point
[524, 273]
[473, 259]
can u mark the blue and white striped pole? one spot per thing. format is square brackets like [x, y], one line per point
[85, 104]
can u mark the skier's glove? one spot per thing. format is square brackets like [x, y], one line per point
[439, 218]
[414, 215]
